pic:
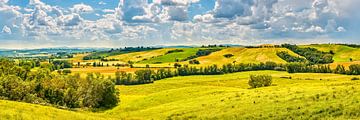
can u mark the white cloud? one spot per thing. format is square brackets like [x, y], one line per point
[82, 8]
[108, 11]
[6, 30]
[175, 2]
[102, 3]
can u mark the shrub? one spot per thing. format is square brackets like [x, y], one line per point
[194, 61]
[257, 81]
[228, 55]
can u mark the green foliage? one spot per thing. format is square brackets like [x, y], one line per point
[354, 69]
[340, 69]
[257, 81]
[304, 68]
[174, 51]
[194, 61]
[43, 87]
[61, 64]
[311, 54]
[289, 58]
[228, 55]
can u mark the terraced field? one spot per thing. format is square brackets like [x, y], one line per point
[328, 96]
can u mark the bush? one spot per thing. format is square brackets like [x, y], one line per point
[257, 81]
[355, 78]
[228, 55]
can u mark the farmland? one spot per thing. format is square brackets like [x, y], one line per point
[328, 96]
[200, 94]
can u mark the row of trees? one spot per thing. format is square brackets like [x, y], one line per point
[41, 86]
[149, 76]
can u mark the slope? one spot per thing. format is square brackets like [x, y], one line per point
[326, 96]
[139, 56]
[342, 53]
[244, 55]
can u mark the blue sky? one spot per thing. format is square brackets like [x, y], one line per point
[118, 23]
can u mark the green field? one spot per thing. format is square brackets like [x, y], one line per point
[170, 58]
[342, 53]
[244, 55]
[326, 96]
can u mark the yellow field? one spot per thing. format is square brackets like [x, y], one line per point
[139, 56]
[244, 55]
[305, 96]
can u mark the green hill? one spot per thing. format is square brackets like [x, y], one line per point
[342, 53]
[171, 57]
[139, 56]
[244, 55]
[328, 96]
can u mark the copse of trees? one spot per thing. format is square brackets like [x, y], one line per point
[43, 87]
[289, 58]
[61, 64]
[311, 54]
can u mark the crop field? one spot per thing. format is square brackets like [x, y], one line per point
[328, 96]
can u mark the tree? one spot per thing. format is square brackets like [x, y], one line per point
[257, 81]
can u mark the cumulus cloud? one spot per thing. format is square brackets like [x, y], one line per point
[143, 21]
[81, 8]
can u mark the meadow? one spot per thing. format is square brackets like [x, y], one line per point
[226, 96]
[328, 96]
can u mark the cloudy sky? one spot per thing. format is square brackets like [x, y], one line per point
[117, 23]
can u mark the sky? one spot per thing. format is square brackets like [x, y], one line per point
[119, 23]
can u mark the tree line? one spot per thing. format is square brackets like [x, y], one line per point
[42, 86]
[149, 76]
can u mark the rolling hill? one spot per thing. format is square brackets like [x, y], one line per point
[171, 57]
[139, 56]
[244, 55]
[342, 53]
[328, 96]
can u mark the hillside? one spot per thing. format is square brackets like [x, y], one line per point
[342, 53]
[328, 96]
[139, 56]
[244, 55]
[171, 57]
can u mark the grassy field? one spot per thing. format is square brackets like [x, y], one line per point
[326, 96]
[244, 55]
[342, 53]
[139, 56]
[170, 58]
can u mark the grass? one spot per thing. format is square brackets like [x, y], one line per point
[244, 55]
[342, 53]
[170, 58]
[305, 96]
[139, 56]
